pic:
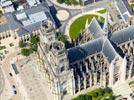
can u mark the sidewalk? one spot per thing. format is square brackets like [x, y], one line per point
[2, 82]
[66, 6]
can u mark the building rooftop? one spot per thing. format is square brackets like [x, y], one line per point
[123, 9]
[123, 35]
[102, 45]
[26, 20]
[95, 28]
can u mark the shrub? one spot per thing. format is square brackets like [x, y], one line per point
[22, 44]
[34, 40]
[83, 97]
[101, 92]
[62, 38]
[88, 97]
[2, 47]
[111, 97]
[25, 51]
[60, 1]
[107, 90]
[95, 94]
[69, 2]
[34, 48]
[11, 44]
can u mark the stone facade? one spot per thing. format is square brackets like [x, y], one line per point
[71, 71]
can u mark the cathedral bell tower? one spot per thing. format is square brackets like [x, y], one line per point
[60, 66]
[59, 55]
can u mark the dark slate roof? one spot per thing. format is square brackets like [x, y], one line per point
[4, 27]
[80, 52]
[108, 50]
[22, 31]
[123, 9]
[28, 30]
[108, 47]
[75, 54]
[123, 35]
[93, 46]
[95, 28]
[121, 6]
[13, 23]
[126, 17]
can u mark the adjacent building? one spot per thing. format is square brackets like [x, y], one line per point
[25, 22]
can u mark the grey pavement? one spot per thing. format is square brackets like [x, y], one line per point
[2, 81]
[108, 4]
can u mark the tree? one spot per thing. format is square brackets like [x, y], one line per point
[107, 90]
[88, 97]
[62, 38]
[95, 94]
[34, 48]
[83, 97]
[111, 97]
[101, 92]
[25, 52]
[22, 44]
[34, 40]
[60, 1]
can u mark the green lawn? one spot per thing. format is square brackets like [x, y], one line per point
[102, 11]
[98, 94]
[79, 25]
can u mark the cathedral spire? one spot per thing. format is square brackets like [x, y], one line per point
[106, 26]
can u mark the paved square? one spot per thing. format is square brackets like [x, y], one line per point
[31, 79]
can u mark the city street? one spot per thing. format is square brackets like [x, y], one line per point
[109, 5]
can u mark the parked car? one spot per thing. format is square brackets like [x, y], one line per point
[15, 92]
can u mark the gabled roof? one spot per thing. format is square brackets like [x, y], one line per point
[101, 44]
[95, 28]
[89, 48]
[123, 35]
[108, 47]
[123, 9]
[14, 24]
[108, 50]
